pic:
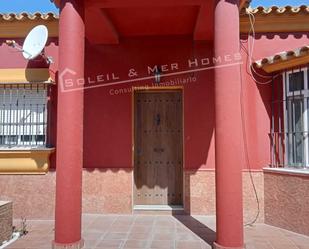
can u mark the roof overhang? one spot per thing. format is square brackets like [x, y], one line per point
[284, 60]
[267, 20]
[18, 25]
[242, 4]
[276, 19]
[130, 18]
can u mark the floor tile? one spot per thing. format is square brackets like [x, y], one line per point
[119, 228]
[115, 236]
[186, 237]
[110, 244]
[139, 236]
[132, 244]
[159, 244]
[163, 236]
[156, 232]
[188, 244]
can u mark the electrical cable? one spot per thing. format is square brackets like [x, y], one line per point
[247, 154]
[251, 42]
[244, 133]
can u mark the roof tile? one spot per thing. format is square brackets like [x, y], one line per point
[283, 56]
[27, 16]
[278, 10]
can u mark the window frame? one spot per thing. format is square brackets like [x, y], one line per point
[32, 144]
[304, 95]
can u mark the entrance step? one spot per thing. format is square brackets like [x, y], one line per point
[158, 209]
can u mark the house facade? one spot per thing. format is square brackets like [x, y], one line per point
[191, 106]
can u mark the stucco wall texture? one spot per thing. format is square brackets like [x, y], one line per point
[284, 198]
[287, 201]
[110, 191]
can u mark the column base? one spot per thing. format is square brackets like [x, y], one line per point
[75, 245]
[217, 246]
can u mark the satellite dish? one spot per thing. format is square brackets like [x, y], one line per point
[35, 42]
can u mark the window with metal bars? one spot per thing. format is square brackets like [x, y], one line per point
[23, 115]
[290, 119]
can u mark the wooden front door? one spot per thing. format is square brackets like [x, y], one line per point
[158, 147]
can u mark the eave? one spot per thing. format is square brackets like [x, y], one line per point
[267, 20]
[18, 25]
[276, 20]
[242, 4]
[284, 60]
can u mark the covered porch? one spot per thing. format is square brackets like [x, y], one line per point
[86, 28]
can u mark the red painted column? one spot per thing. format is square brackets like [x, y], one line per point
[69, 150]
[228, 146]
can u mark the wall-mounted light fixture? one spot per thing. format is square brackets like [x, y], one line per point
[157, 75]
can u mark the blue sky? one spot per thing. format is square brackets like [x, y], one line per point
[255, 3]
[46, 6]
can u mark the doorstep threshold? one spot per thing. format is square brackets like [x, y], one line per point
[158, 207]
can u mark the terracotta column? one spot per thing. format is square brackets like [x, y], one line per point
[229, 160]
[69, 150]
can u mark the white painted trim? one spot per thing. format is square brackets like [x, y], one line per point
[15, 236]
[295, 93]
[158, 207]
[288, 171]
[286, 95]
[17, 149]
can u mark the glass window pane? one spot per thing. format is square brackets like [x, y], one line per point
[296, 81]
[23, 115]
[307, 83]
[295, 131]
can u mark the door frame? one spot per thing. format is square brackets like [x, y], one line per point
[156, 89]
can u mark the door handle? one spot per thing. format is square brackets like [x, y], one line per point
[158, 119]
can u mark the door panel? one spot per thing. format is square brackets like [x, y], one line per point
[158, 149]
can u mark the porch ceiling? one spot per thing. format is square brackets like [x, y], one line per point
[166, 20]
[107, 21]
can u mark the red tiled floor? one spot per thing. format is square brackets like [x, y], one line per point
[115, 236]
[188, 244]
[139, 236]
[110, 244]
[135, 244]
[159, 244]
[140, 229]
[157, 232]
[164, 236]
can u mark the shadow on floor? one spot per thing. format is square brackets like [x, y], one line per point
[197, 227]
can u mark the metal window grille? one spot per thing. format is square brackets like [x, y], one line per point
[290, 119]
[23, 115]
